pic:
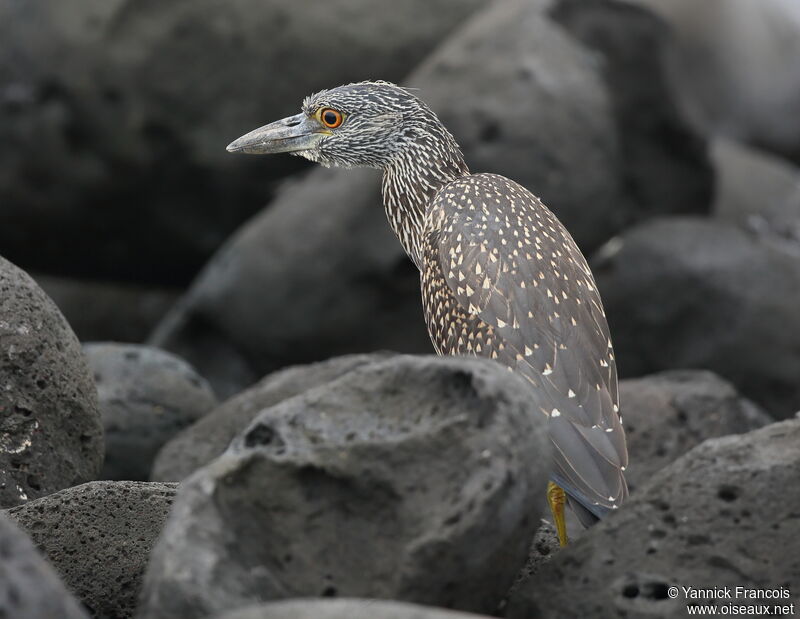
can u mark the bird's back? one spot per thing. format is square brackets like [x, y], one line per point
[502, 278]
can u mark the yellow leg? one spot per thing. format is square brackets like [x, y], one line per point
[556, 498]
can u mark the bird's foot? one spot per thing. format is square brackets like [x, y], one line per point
[557, 499]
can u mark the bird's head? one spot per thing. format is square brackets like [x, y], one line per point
[367, 124]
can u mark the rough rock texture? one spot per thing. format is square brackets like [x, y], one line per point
[758, 191]
[693, 293]
[667, 414]
[725, 514]
[51, 435]
[29, 588]
[103, 311]
[664, 165]
[267, 299]
[119, 112]
[203, 441]
[733, 66]
[344, 609]
[146, 396]
[98, 536]
[415, 479]
[544, 547]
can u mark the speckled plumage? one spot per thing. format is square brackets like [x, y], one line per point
[500, 275]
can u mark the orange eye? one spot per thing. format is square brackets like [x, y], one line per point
[330, 118]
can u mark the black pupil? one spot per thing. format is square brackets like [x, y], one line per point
[330, 117]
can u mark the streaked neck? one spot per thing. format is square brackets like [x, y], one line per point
[411, 182]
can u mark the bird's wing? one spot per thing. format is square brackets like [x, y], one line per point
[522, 282]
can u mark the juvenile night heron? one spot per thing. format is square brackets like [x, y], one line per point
[500, 276]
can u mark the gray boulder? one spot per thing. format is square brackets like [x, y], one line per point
[106, 311]
[757, 191]
[694, 293]
[51, 434]
[732, 66]
[206, 439]
[29, 588]
[664, 167]
[146, 396]
[343, 609]
[723, 515]
[266, 300]
[415, 479]
[119, 113]
[98, 536]
[669, 413]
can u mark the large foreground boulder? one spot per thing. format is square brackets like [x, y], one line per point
[51, 434]
[29, 587]
[416, 479]
[99, 536]
[206, 439]
[344, 609]
[695, 293]
[724, 515]
[146, 396]
[118, 114]
[669, 413]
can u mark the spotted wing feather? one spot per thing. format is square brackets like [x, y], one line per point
[502, 278]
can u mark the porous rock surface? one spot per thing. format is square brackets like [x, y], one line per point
[29, 587]
[206, 439]
[51, 434]
[415, 479]
[668, 413]
[98, 536]
[725, 514]
[146, 396]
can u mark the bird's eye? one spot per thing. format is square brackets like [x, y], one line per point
[330, 118]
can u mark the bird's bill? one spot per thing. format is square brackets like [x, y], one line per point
[292, 134]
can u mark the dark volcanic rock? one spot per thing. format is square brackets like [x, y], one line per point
[29, 588]
[267, 300]
[416, 479]
[543, 548]
[99, 536]
[725, 514]
[51, 435]
[667, 414]
[104, 311]
[694, 293]
[512, 62]
[200, 443]
[733, 67]
[757, 191]
[119, 113]
[344, 609]
[664, 164]
[146, 396]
